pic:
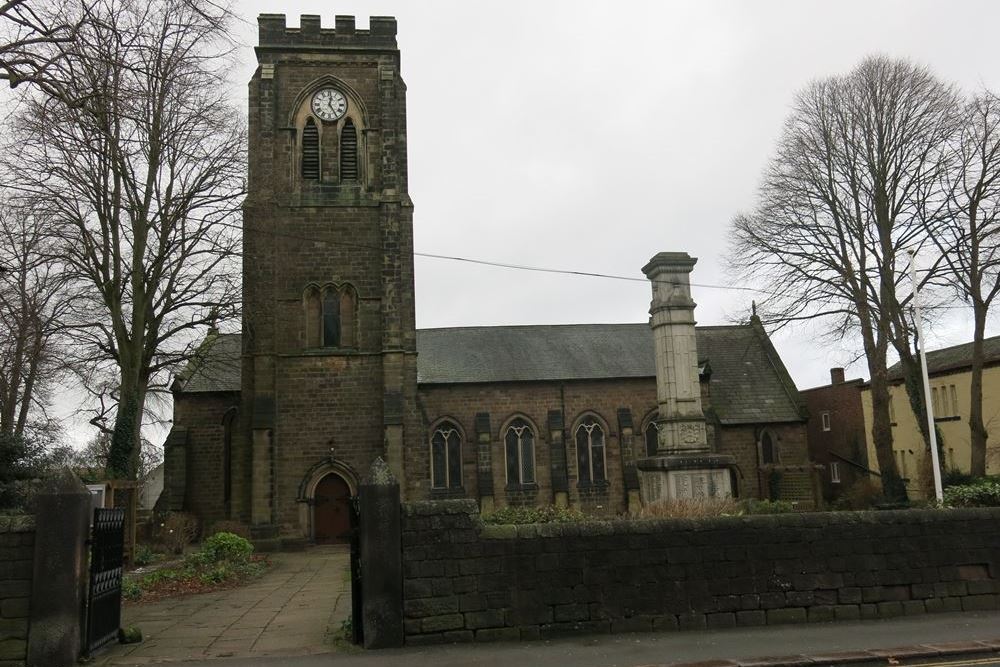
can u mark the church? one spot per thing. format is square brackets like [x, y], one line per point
[277, 426]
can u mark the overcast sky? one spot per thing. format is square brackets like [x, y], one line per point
[591, 135]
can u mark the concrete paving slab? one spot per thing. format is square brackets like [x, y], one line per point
[290, 610]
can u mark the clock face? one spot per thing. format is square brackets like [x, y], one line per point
[329, 104]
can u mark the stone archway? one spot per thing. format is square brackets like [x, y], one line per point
[331, 510]
[323, 498]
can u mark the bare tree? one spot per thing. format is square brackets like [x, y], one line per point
[143, 179]
[35, 36]
[851, 188]
[969, 240]
[33, 305]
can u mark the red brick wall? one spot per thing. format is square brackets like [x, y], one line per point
[846, 436]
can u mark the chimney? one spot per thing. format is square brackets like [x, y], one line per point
[836, 376]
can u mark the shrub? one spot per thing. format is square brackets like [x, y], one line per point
[234, 527]
[177, 530]
[144, 555]
[693, 508]
[984, 492]
[226, 547]
[754, 506]
[131, 590]
[956, 477]
[524, 515]
[862, 495]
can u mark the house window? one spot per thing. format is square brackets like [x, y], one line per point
[652, 439]
[935, 402]
[768, 448]
[954, 400]
[835, 472]
[591, 461]
[892, 411]
[348, 152]
[310, 151]
[446, 457]
[519, 447]
[826, 420]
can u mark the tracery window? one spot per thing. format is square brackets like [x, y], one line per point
[590, 451]
[446, 457]
[310, 151]
[519, 446]
[330, 316]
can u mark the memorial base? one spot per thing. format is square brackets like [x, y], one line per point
[685, 477]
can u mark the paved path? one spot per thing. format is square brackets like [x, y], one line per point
[294, 609]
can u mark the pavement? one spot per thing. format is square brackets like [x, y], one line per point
[296, 608]
[292, 615]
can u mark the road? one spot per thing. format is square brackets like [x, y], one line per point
[675, 648]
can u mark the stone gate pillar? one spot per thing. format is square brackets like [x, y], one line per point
[381, 559]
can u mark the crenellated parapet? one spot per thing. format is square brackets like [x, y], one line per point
[273, 32]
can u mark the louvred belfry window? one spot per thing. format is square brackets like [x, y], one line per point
[348, 152]
[310, 151]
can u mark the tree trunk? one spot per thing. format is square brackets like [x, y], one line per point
[977, 429]
[893, 487]
[914, 383]
[123, 456]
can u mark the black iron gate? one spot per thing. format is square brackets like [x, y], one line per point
[357, 631]
[104, 599]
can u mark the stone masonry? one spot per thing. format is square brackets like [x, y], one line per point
[17, 550]
[463, 581]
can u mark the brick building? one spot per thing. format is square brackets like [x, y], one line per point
[276, 426]
[836, 433]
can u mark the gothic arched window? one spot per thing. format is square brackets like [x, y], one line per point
[331, 318]
[768, 448]
[652, 435]
[590, 448]
[446, 457]
[310, 151]
[348, 152]
[519, 447]
[347, 305]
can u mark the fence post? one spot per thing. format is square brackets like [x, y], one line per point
[381, 559]
[59, 584]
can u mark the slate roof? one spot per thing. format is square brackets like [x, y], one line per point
[748, 381]
[216, 366]
[954, 358]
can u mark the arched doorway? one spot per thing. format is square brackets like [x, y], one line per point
[331, 511]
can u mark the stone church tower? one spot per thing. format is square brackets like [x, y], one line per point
[329, 375]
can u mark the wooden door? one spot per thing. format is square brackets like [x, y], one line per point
[331, 513]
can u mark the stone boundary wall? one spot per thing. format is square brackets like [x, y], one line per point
[463, 581]
[17, 552]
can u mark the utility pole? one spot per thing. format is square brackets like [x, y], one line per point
[938, 491]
